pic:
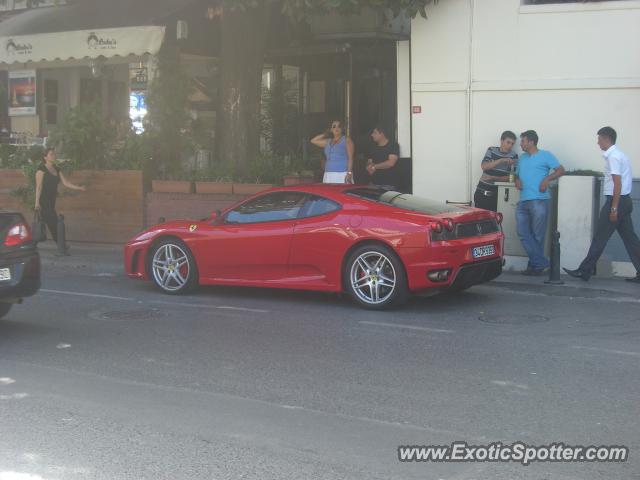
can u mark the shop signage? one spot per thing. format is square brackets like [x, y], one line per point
[97, 42]
[138, 82]
[106, 42]
[16, 49]
[22, 92]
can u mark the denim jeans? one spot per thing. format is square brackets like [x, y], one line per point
[531, 219]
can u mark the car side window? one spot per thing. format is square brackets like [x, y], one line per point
[315, 206]
[271, 207]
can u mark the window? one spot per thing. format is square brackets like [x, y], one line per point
[90, 91]
[271, 207]
[405, 201]
[318, 206]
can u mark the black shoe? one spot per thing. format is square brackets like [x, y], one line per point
[576, 274]
[635, 279]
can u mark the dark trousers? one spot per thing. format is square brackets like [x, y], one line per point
[483, 201]
[50, 218]
[605, 229]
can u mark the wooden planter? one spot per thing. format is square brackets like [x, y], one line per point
[250, 188]
[172, 186]
[289, 180]
[214, 187]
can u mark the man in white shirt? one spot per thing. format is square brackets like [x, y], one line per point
[616, 212]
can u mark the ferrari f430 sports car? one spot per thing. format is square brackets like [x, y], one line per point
[377, 245]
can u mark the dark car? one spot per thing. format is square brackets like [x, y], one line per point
[19, 261]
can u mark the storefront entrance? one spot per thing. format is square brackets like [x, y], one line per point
[354, 82]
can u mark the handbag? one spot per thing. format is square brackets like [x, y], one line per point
[38, 228]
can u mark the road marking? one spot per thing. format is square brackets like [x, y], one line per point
[61, 346]
[174, 304]
[406, 327]
[15, 396]
[503, 383]
[95, 295]
[215, 307]
[606, 350]
[6, 381]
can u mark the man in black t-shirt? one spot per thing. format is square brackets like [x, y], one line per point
[498, 163]
[382, 159]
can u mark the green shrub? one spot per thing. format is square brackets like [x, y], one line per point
[27, 159]
[84, 138]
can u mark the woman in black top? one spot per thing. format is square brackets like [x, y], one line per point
[48, 177]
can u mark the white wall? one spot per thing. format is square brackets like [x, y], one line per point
[440, 77]
[483, 66]
[403, 55]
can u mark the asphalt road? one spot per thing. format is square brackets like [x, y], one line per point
[102, 377]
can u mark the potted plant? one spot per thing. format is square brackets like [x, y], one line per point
[299, 178]
[221, 185]
[172, 186]
[250, 188]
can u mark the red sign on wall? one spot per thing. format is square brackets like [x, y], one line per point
[416, 109]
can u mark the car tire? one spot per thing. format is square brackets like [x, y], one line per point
[375, 277]
[172, 267]
[4, 308]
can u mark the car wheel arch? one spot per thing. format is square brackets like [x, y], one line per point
[160, 239]
[362, 243]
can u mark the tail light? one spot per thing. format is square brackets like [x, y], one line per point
[448, 224]
[499, 217]
[436, 227]
[18, 234]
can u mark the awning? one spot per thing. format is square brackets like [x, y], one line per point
[87, 29]
[108, 42]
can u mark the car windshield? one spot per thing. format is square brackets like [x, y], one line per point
[405, 201]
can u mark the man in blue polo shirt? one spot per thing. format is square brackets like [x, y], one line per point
[535, 170]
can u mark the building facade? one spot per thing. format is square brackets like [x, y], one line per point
[479, 67]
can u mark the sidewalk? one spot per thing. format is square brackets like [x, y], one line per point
[103, 257]
[108, 258]
[596, 287]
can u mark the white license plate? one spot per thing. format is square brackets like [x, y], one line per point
[5, 274]
[484, 251]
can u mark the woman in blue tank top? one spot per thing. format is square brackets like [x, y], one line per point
[338, 152]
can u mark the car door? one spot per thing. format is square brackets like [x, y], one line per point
[319, 242]
[251, 243]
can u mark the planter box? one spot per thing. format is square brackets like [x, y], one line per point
[250, 188]
[577, 203]
[298, 180]
[214, 187]
[110, 211]
[172, 186]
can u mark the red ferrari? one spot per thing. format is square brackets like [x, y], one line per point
[375, 244]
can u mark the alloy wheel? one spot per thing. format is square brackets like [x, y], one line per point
[373, 277]
[170, 267]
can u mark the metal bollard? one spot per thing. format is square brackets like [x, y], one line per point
[62, 237]
[554, 268]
